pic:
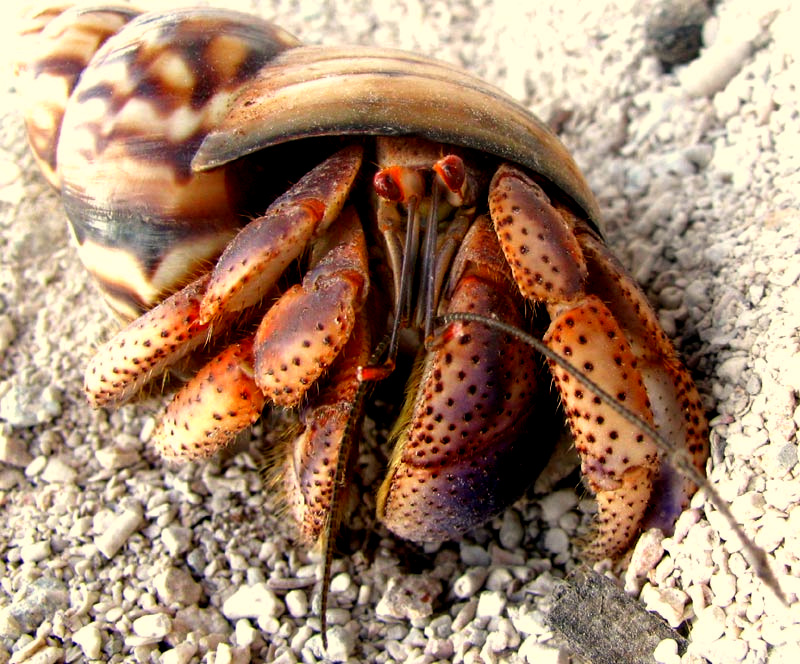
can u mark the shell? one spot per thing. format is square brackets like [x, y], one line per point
[153, 152]
[144, 223]
[373, 91]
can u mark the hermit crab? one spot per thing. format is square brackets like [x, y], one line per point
[278, 222]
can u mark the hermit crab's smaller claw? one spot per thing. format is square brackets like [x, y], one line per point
[217, 403]
[307, 470]
[306, 329]
[147, 347]
[258, 255]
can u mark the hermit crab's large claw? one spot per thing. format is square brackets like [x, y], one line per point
[602, 325]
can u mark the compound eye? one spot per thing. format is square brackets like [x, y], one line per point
[451, 172]
[398, 184]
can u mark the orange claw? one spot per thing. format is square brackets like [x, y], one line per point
[307, 467]
[217, 403]
[602, 324]
[619, 463]
[146, 348]
[258, 255]
[302, 334]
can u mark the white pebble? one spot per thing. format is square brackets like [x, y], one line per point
[470, 582]
[226, 654]
[409, 597]
[59, 471]
[180, 654]
[340, 583]
[648, 552]
[118, 532]
[36, 552]
[152, 627]
[48, 655]
[297, 603]
[340, 644]
[511, 532]
[669, 603]
[723, 587]
[534, 652]
[556, 504]
[176, 586]
[115, 457]
[474, 555]
[666, 652]
[36, 466]
[491, 603]
[90, 639]
[254, 601]
[709, 626]
[14, 452]
[176, 539]
[556, 541]
[246, 634]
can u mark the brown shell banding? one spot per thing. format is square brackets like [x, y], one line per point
[57, 45]
[319, 91]
[130, 130]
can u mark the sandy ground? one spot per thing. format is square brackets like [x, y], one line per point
[109, 555]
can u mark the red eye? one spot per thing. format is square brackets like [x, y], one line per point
[452, 172]
[386, 186]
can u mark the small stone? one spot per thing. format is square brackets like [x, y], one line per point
[7, 333]
[196, 619]
[297, 603]
[649, 550]
[180, 654]
[153, 627]
[469, 583]
[90, 639]
[27, 402]
[556, 541]
[10, 478]
[474, 555]
[36, 466]
[491, 603]
[226, 654]
[709, 626]
[36, 552]
[666, 652]
[256, 601]
[118, 532]
[723, 586]
[58, 471]
[42, 598]
[341, 644]
[176, 539]
[669, 603]
[114, 457]
[47, 655]
[176, 586]
[14, 452]
[9, 627]
[534, 652]
[511, 532]
[409, 597]
[556, 504]
[246, 634]
[340, 583]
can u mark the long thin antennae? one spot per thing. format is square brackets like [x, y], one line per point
[338, 492]
[679, 457]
